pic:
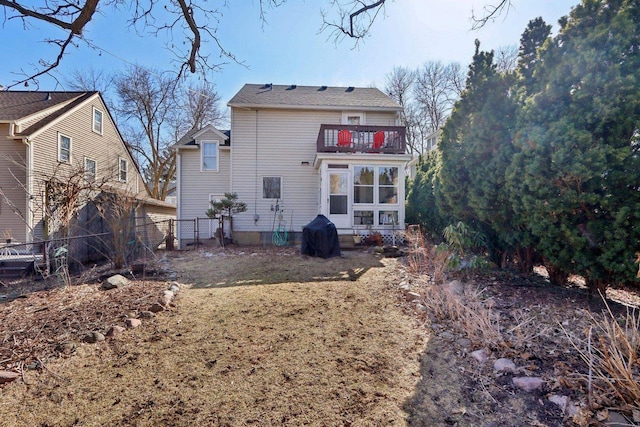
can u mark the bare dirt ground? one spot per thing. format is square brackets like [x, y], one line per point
[268, 337]
[257, 338]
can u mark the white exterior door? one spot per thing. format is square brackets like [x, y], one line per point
[339, 198]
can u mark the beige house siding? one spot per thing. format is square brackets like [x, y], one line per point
[84, 144]
[285, 139]
[376, 118]
[13, 154]
[197, 185]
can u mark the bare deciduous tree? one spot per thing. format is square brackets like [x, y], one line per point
[147, 104]
[437, 88]
[189, 24]
[354, 19]
[199, 106]
[117, 209]
[399, 86]
[427, 96]
[91, 79]
[506, 58]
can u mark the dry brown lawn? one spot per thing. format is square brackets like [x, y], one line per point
[258, 337]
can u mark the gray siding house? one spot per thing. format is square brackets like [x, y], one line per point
[295, 152]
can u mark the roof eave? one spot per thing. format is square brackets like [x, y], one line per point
[313, 107]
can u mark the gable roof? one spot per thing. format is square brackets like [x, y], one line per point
[312, 97]
[189, 138]
[15, 105]
[19, 106]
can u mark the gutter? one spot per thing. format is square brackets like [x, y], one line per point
[314, 107]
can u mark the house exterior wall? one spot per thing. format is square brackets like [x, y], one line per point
[378, 118]
[196, 186]
[271, 142]
[12, 179]
[275, 143]
[105, 149]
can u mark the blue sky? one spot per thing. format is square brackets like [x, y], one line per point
[289, 49]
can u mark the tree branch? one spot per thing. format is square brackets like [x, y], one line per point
[491, 13]
[360, 11]
[63, 47]
[187, 12]
[75, 27]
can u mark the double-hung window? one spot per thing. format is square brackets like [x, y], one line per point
[123, 169]
[64, 148]
[271, 187]
[97, 121]
[90, 169]
[209, 156]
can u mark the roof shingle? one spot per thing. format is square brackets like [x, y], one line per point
[15, 105]
[283, 96]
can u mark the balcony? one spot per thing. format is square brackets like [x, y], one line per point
[362, 139]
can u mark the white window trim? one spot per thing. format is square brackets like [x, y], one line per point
[95, 172]
[60, 136]
[281, 187]
[93, 119]
[377, 206]
[347, 114]
[217, 144]
[126, 169]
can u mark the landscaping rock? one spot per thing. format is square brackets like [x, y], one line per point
[421, 307]
[146, 314]
[165, 300]
[156, 308]
[8, 376]
[114, 331]
[115, 281]
[392, 251]
[132, 323]
[504, 365]
[561, 401]
[480, 355]
[528, 383]
[93, 337]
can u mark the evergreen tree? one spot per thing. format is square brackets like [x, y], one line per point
[532, 39]
[421, 200]
[576, 175]
[476, 150]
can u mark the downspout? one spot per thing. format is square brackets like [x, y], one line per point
[256, 217]
[178, 195]
[29, 179]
